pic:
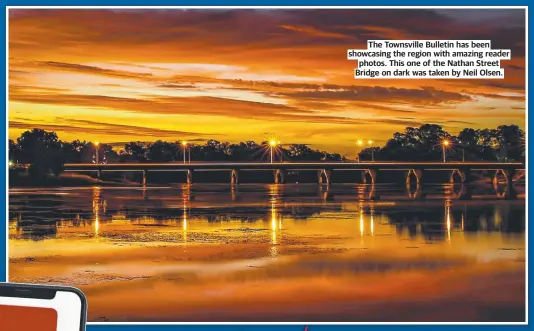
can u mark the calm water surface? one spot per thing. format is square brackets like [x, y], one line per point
[275, 252]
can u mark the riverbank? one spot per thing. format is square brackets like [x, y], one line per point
[66, 180]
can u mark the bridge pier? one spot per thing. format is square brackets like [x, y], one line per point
[145, 173]
[234, 177]
[279, 176]
[510, 192]
[189, 176]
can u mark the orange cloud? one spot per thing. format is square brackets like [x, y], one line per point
[276, 70]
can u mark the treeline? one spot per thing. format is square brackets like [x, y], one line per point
[46, 154]
[426, 143]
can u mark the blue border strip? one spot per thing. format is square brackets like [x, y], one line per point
[3, 158]
[3, 234]
[267, 3]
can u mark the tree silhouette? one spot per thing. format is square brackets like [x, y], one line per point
[42, 151]
[506, 143]
[45, 154]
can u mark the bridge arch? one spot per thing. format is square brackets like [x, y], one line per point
[324, 169]
[234, 177]
[368, 192]
[464, 193]
[324, 176]
[189, 176]
[457, 176]
[416, 176]
[369, 176]
[499, 173]
[508, 175]
[415, 193]
[279, 176]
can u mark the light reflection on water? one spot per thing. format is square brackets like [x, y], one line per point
[287, 209]
[206, 239]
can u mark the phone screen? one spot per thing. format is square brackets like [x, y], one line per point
[18, 318]
[60, 313]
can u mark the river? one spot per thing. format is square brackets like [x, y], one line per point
[295, 252]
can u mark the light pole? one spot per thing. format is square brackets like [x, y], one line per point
[444, 144]
[463, 146]
[360, 143]
[96, 152]
[272, 145]
[184, 144]
[370, 143]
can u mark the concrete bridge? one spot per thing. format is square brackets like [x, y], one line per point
[414, 171]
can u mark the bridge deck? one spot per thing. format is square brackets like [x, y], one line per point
[214, 166]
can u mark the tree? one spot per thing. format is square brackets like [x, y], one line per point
[468, 141]
[488, 143]
[511, 139]
[162, 151]
[107, 154]
[73, 151]
[414, 144]
[13, 151]
[133, 152]
[42, 150]
[302, 152]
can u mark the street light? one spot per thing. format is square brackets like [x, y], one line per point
[272, 145]
[359, 143]
[445, 143]
[96, 151]
[184, 144]
[463, 150]
[370, 143]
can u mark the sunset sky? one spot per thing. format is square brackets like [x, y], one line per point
[236, 75]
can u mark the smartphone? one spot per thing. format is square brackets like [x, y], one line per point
[28, 307]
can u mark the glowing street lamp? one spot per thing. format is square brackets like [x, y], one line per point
[273, 143]
[96, 151]
[184, 144]
[10, 163]
[370, 143]
[360, 144]
[445, 144]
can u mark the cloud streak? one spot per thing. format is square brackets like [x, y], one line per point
[155, 73]
[74, 126]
